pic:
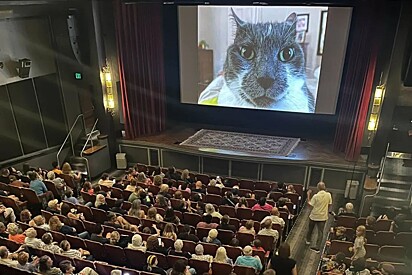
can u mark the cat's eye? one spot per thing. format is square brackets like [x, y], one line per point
[247, 52]
[286, 54]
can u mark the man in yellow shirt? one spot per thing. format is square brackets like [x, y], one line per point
[320, 203]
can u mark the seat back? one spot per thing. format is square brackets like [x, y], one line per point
[52, 187]
[30, 196]
[200, 266]
[99, 216]
[221, 268]
[263, 185]
[57, 236]
[245, 238]
[275, 195]
[214, 190]
[76, 242]
[81, 263]
[260, 194]
[404, 238]
[132, 219]
[189, 246]
[294, 198]
[267, 242]
[87, 212]
[202, 232]
[203, 178]
[191, 218]
[244, 270]
[69, 180]
[135, 258]
[209, 248]
[171, 259]
[391, 253]
[259, 215]
[383, 225]
[87, 197]
[346, 221]
[115, 255]
[247, 184]
[340, 246]
[213, 199]
[372, 251]
[225, 236]
[96, 249]
[384, 238]
[244, 213]
[233, 252]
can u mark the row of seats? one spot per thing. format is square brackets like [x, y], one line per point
[352, 222]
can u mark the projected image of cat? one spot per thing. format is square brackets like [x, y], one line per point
[264, 68]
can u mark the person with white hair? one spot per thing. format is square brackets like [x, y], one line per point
[178, 250]
[199, 250]
[248, 260]
[320, 203]
[347, 210]
[31, 239]
[212, 237]
[7, 214]
[210, 210]
[137, 243]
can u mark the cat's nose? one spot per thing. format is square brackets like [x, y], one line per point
[265, 82]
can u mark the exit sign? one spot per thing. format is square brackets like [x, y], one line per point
[78, 76]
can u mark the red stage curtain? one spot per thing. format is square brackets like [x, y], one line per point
[139, 34]
[358, 79]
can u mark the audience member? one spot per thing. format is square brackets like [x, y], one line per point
[23, 262]
[67, 269]
[137, 243]
[153, 215]
[275, 217]
[282, 263]
[370, 223]
[347, 211]
[290, 189]
[31, 239]
[199, 188]
[207, 222]
[105, 180]
[335, 265]
[169, 232]
[178, 250]
[242, 203]
[3, 231]
[4, 257]
[185, 234]
[14, 234]
[257, 245]
[384, 269]
[171, 217]
[358, 248]
[358, 267]
[46, 266]
[155, 244]
[268, 231]
[56, 168]
[87, 188]
[248, 227]
[221, 256]
[4, 176]
[210, 210]
[186, 177]
[67, 170]
[224, 224]
[119, 240]
[228, 199]
[53, 206]
[158, 172]
[152, 266]
[199, 250]
[48, 243]
[212, 237]
[98, 237]
[25, 216]
[72, 253]
[248, 260]
[262, 205]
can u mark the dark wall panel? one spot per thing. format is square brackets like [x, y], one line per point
[248, 170]
[180, 161]
[51, 107]
[218, 167]
[285, 173]
[336, 179]
[27, 115]
[135, 154]
[10, 145]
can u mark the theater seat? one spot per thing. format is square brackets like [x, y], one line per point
[346, 221]
[244, 270]
[245, 238]
[392, 253]
[201, 267]
[221, 268]
[115, 255]
[135, 258]
[340, 246]
[227, 210]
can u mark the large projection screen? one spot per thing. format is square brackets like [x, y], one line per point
[286, 58]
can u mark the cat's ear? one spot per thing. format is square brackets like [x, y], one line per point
[291, 19]
[239, 22]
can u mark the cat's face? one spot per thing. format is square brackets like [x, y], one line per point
[264, 61]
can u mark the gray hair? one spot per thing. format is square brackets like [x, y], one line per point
[199, 249]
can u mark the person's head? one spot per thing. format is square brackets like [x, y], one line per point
[284, 250]
[178, 195]
[262, 201]
[2, 227]
[151, 213]
[275, 212]
[5, 172]
[13, 229]
[55, 165]
[269, 272]
[54, 223]
[349, 207]
[100, 200]
[249, 224]
[111, 217]
[68, 193]
[178, 245]
[146, 230]
[51, 175]
[359, 264]
[32, 175]
[247, 250]
[242, 201]
[234, 242]
[370, 220]
[198, 184]
[212, 182]
[221, 255]
[340, 231]
[23, 258]
[164, 188]
[66, 168]
[225, 219]
[141, 177]
[212, 234]
[31, 233]
[321, 186]
[169, 213]
[152, 243]
[65, 209]
[137, 240]
[179, 267]
[114, 237]
[291, 189]
[360, 231]
[169, 228]
[104, 176]
[25, 216]
[136, 204]
[66, 267]
[199, 250]
[340, 257]
[209, 208]
[152, 260]
[158, 180]
[197, 198]
[257, 243]
[65, 245]
[161, 200]
[53, 204]
[185, 174]
[267, 224]
[281, 185]
[45, 263]
[207, 218]
[47, 238]
[4, 252]
[171, 170]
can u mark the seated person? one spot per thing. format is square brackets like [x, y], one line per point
[119, 222]
[14, 233]
[39, 221]
[69, 196]
[87, 187]
[116, 239]
[169, 232]
[257, 246]
[53, 206]
[46, 266]
[58, 182]
[7, 214]
[384, 269]
[358, 267]
[137, 243]
[67, 269]
[210, 210]
[275, 217]
[178, 250]
[248, 260]
[212, 237]
[23, 262]
[5, 257]
[221, 256]
[228, 199]
[199, 188]
[48, 243]
[31, 239]
[199, 250]
[268, 231]
[335, 265]
[38, 186]
[262, 205]
[155, 244]
[224, 224]
[290, 189]
[347, 211]
[339, 234]
[72, 253]
[105, 180]
[171, 217]
[132, 186]
[370, 223]
[4, 176]
[3, 231]
[98, 237]
[207, 222]
[248, 227]
[185, 234]
[152, 266]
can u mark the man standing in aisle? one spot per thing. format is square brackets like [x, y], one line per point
[320, 203]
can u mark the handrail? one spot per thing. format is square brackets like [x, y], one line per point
[380, 172]
[67, 137]
[85, 145]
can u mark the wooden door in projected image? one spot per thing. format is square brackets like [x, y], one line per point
[205, 68]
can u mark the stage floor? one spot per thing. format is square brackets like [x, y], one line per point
[308, 151]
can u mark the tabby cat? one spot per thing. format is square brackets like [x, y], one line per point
[265, 68]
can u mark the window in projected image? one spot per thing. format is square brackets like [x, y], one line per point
[260, 57]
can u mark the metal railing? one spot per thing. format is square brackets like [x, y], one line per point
[380, 176]
[69, 135]
[85, 145]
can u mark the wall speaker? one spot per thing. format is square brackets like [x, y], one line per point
[23, 67]
[72, 26]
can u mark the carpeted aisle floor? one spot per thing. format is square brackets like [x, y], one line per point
[307, 260]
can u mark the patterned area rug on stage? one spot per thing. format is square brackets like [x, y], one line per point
[249, 143]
